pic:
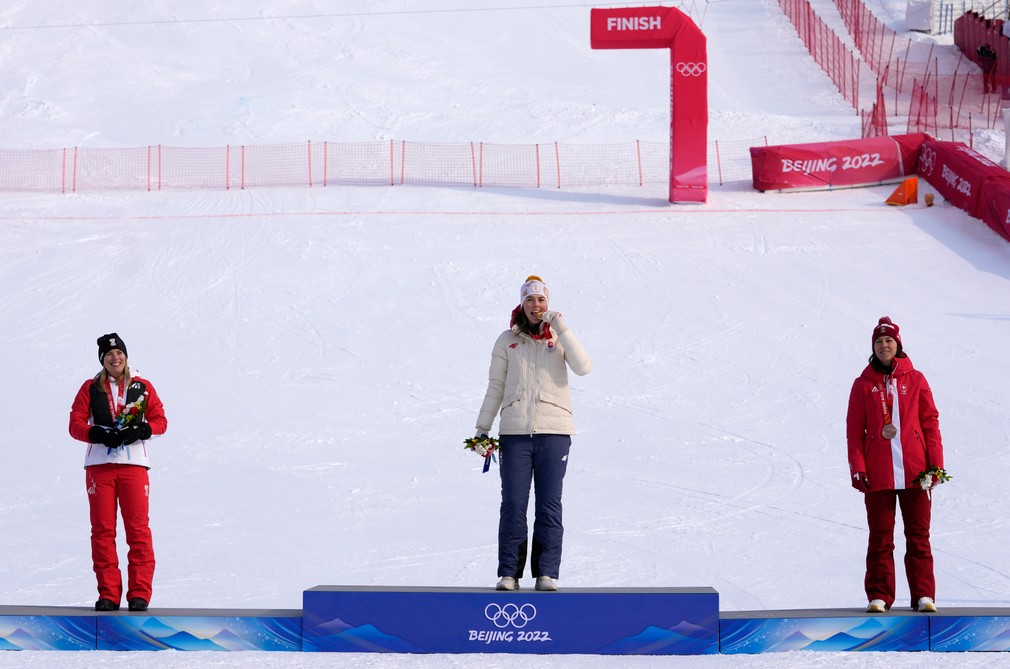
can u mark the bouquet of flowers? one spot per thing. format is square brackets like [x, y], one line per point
[932, 477]
[130, 412]
[483, 446]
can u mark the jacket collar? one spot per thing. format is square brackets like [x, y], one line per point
[545, 328]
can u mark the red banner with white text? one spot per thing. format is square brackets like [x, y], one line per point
[958, 174]
[845, 164]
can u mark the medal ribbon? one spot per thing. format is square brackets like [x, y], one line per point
[886, 399]
[118, 401]
[487, 461]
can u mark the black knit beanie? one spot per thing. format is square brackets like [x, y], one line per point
[110, 342]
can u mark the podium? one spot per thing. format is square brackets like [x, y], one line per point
[77, 628]
[597, 621]
[828, 630]
[602, 621]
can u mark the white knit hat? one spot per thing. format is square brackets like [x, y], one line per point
[534, 286]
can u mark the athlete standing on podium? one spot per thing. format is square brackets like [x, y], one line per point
[115, 413]
[895, 456]
[528, 382]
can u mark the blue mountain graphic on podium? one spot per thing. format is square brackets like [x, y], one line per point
[686, 638]
[340, 637]
[835, 643]
[50, 633]
[21, 639]
[155, 627]
[230, 641]
[186, 641]
[831, 634]
[121, 634]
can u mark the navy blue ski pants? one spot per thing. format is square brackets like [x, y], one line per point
[542, 459]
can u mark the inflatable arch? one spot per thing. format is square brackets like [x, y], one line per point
[669, 28]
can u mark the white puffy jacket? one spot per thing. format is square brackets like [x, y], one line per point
[528, 381]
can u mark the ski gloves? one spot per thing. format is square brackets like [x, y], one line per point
[132, 433]
[557, 322]
[116, 438]
[860, 482]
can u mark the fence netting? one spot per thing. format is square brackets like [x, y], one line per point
[890, 78]
[393, 162]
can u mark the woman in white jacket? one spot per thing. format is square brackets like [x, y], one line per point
[528, 383]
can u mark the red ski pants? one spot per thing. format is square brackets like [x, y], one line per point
[128, 487]
[915, 516]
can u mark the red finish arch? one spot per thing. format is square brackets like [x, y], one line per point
[669, 28]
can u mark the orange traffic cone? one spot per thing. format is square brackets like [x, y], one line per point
[906, 193]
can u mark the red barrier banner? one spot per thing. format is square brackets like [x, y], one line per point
[661, 28]
[846, 164]
[995, 206]
[958, 174]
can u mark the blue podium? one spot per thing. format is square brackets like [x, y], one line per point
[826, 630]
[970, 629]
[201, 629]
[604, 621]
[47, 628]
[76, 628]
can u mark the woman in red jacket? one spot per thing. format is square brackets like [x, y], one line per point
[893, 434]
[116, 413]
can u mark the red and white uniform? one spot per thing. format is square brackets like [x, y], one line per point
[891, 464]
[904, 399]
[117, 477]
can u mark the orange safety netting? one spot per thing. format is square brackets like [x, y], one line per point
[320, 164]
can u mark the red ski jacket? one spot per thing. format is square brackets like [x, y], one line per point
[91, 407]
[893, 463]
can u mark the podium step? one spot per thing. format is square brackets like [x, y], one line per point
[75, 628]
[846, 630]
[601, 621]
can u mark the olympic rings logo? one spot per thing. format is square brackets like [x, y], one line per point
[510, 614]
[691, 69]
[927, 161]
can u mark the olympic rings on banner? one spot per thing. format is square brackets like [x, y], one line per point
[691, 69]
[510, 614]
[927, 161]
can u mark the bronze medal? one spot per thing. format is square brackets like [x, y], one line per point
[888, 431]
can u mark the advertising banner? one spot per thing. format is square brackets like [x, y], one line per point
[600, 621]
[844, 164]
[995, 206]
[958, 173]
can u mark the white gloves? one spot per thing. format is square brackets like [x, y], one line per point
[557, 322]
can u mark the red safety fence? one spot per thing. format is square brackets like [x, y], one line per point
[906, 78]
[320, 164]
[908, 68]
[838, 61]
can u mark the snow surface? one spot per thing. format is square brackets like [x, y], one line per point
[322, 353]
